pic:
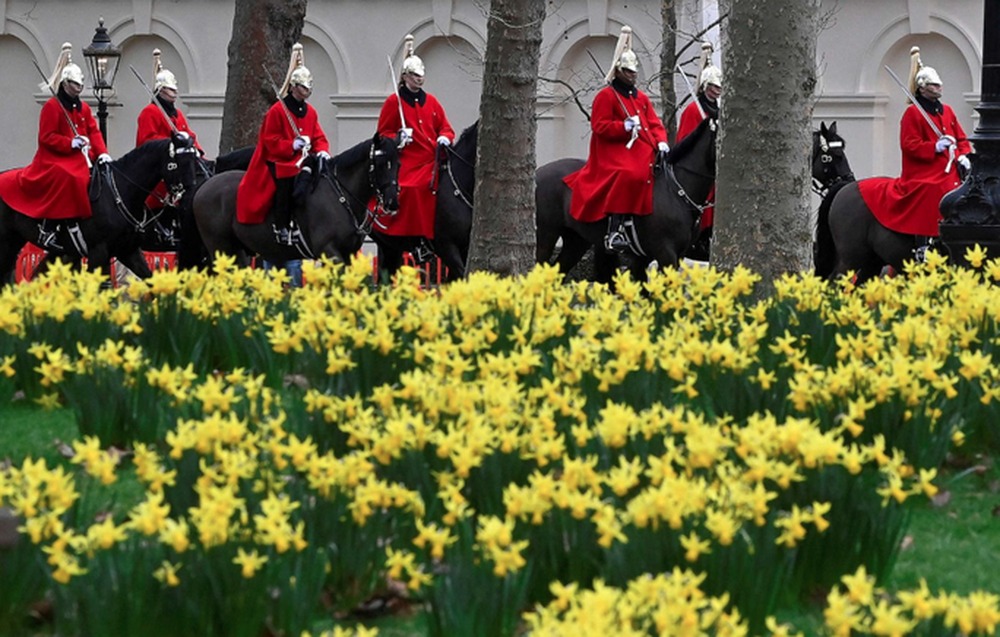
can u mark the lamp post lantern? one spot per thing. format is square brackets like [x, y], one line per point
[972, 211]
[103, 58]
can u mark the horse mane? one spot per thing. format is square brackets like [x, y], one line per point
[157, 146]
[682, 148]
[353, 155]
[470, 132]
[238, 159]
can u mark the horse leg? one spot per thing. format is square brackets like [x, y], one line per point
[451, 257]
[134, 261]
[573, 248]
[390, 259]
[9, 249]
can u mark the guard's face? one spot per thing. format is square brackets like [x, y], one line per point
[413, 81]
[713, 91]
[931, 91]
[627, 77]
[300, 92]
[168, 94]
[72, 88]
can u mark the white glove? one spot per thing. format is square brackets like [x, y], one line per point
[79, 142]
[405, 136]
[103, 158]
[444, 141]
[964, 162]
[323, 154]
[631, 122]
[662, 147]
[943, 143]
[300, 142]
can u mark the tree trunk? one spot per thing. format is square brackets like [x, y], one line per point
[503, 224]
[668, 60]
[763, 179]
[263, 34]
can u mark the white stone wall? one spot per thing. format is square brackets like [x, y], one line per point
[346, 44]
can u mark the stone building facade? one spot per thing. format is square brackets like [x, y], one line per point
[347, 41]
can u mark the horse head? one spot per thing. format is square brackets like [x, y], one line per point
[829, 161]
[178, 165]
[383, 171]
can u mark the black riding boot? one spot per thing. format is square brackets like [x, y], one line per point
[283, 211]
[615, 240]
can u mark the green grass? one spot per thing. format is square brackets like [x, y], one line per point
[27, 430]
[954, 545]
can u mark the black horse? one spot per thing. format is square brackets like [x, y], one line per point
[452, 212]
[850, 238]
[173, 228]
[118, 192]
[681, 186]
[333, 216]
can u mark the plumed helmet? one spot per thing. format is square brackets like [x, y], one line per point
[162, 78]
[59, 73]
[411, 63]
[297, 71]
[625, 58]
[73, 73]
[920, 75]
[708, 73]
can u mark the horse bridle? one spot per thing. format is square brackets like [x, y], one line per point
[176, 190]
[821, 187]
[364, 228]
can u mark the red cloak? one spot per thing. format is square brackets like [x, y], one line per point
[417, 196]
[274, 149]
[909, 204]
[617, 179]
[54, 185]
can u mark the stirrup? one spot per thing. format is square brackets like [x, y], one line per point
[616, 241]
[283, 236]
[423, 252]
[47, 240]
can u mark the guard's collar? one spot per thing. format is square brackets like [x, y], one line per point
[412, 97]
[623, 88]
[711, 107]
[169, 107]
[933, 107]
[70, 103]
[298, 109]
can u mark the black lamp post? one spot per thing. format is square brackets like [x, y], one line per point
[972, 211]
[103, 58]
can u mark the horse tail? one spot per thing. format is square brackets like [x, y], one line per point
[824, 250]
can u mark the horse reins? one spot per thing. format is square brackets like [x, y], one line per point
[458, 191]
[141, 224]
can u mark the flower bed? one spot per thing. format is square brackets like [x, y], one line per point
[480, 442]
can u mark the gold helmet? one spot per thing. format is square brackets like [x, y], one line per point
[625, 58]
[708, 73]
[920, 75]
[64, 70]
[297, 71]
[411, 63]
[162, 78]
